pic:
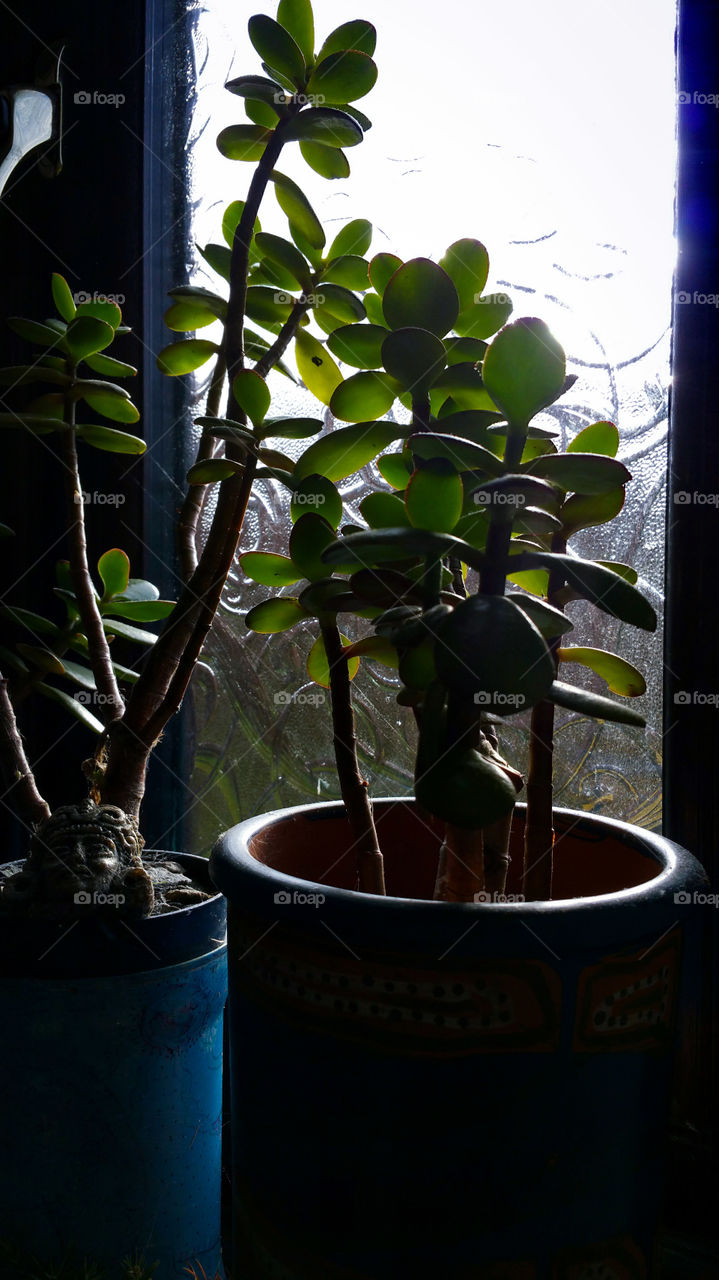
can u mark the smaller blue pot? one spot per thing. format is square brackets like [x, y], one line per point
[111, 1088]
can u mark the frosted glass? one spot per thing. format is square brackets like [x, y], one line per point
[548, 133]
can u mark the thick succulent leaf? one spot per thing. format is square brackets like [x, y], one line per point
[467, 264]
[112, 403]
[414, 357]
[300, 214]
[184, 357]
[523, 370]
[625, 571]
[485, 317]
[621, 676]
[117, 627]
[396, 469]
[62, 297]
[355, 34]
[33, 621]
[420, 294]
[384, 511]
[185, 317]
[363, 396]
[296, 17]
[328, 162]
[275, 615]
[139, 610]
[268, 307]
[86, 335]
[41, 659]
[358, 344]
[41, 424]
[381, 269]
[595, 582]
[583, 512]
[291, 428]
[348, 269]
[585, 473]
[252, 395]
[316, 493]
[100, 308]
[490, 649]
[598, 437]
[260, 89]
[110, 440]
[342, 77]
[463, 383]
[464, 455]
[41, 335]
[465, 350]
[354, 238]
[109, 367]
[212, 470]
[326, 125]
[380, 546]
[535, 522]
[373, 307]
[231, 220]
[434, 496]
[318, 667]
[277, 47]
[591, 704]
[316, 367]
[140, 589]
[344, 451]
[217, 256]
[310, 535]
[202, 299]
[377, 649]
[76, 709]
[114, 570]
[340, 303]
[550, 621]
[16, 375]
[472, 424]
[518, 491]
[269, 569]
[243, 142]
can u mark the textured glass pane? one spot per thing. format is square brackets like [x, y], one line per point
[546, 131]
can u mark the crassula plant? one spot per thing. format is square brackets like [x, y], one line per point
[464, 568]
[69, 382]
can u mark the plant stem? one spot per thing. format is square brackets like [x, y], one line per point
[460, 871]
[191, 508]
[282, 341]
[370, 867]
[22, 793]
[110, 703]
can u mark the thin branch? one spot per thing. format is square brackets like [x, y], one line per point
[26, 799]
[275, 353]
[191, 509]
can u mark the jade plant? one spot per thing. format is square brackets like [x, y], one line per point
[70, 392]
[463, 572]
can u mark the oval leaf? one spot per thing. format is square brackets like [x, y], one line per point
[363, 396]
[114, 571]
[275, 615]
[316, 367]
[318, 667]
[523, 370]
[343, 76]
[420, 294]
[269, 569]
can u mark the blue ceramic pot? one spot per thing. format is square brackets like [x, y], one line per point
[111, 1089]
[434, 1089]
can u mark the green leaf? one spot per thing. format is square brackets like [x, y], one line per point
[202, 299]
[363, 396]
[356, 34]
[116, 627]
[358, 344]
[298, 210]
[464, 455]
[591, 704]
[211, 470]
[114, 570]
[316, 493]
[252, 395]
[275, 615]
[375, 648]
[77, 709]
[110, 440]
[598, 437]
[485, 317]
[318, 668]
[41, 335]
[585, 473]
[384, 511]
[86, 335]
[550, 621]
[243, 142]
[349, 270]
[259, 89]
[490, 649]
[311, 534]
[217, 256]
[109, 367]
[342, 77]
[333, 301]
[373, 307]
[328, 162]
[605, 588]
[414, 357]
[286, 255]
[291, 428]
[269, 307]
[620, 675]
[277, 47]
[186, 356]
[523, 370]
[434, 497]
[100, 309]
[140, 589]
[420, 294]
[269, 569]
[463, 383]
[625, 571]
[113, 404]
[472, 424]
[43, 659]
[380, 546]
[354, 239]
[20, 374]
[466, 262]
[326, 125]
[396, 469]
[262, 114]
[296, 17]
[40, 424]
[381, 269]
[316, 367]
[139, 610]
[231, 219]
[62, 297]
[185, 317]
[339, 453]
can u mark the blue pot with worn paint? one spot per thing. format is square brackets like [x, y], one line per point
[111, 1090]
[439, 1089]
